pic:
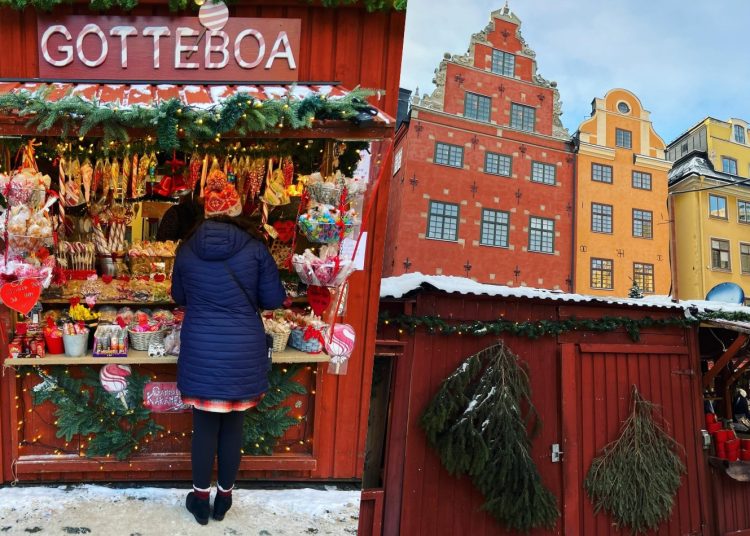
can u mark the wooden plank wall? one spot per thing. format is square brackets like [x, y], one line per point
[355, 48]
[582, 398]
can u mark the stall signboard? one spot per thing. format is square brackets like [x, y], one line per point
[163, 397]
[168, 49]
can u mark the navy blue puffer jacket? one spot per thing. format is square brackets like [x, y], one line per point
[222, 344]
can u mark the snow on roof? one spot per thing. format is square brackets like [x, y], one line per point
[399, 286]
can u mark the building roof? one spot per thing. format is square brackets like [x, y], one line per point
[697, 163]
[403, 285]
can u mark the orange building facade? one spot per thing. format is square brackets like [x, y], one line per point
[483, 172]
[622, 222]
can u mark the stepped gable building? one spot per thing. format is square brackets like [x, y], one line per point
[710, 203]
[483, 174]
[622, 221]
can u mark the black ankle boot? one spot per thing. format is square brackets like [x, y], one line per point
[200, 508]
[222, 504]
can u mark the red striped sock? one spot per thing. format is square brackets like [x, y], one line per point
[224, 492]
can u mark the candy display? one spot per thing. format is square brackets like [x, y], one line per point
[110, 341]
[324, 224]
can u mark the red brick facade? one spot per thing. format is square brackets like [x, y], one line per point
[490, 206]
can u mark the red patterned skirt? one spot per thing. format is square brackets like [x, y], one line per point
[221, 406]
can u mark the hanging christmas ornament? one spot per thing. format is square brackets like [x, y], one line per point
[21, 296]
[319, 298]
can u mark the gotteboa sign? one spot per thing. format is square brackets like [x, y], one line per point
[208, 48]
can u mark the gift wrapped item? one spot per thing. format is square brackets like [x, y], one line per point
[110, 340]
[324, 270]
[326, 225]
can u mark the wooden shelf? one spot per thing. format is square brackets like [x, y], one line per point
[135, 357]
[66, 301]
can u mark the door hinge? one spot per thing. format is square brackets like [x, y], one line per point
[557, 454]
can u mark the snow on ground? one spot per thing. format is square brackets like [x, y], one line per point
[148, 511]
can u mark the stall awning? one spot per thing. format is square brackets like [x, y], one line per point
[732, 325]
[126, 96]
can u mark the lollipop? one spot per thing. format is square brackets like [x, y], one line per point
[114, 380]
[339, 343]
[213, 16]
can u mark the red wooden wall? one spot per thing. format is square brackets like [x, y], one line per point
[581, 387]
[346, 45]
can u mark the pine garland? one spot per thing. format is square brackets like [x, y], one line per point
[182, 5]
[267, 423]
[636, 477]
[532, 329]
[177, 126]
[479, 423]
[86, 410]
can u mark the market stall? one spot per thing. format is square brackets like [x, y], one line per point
[90, 175]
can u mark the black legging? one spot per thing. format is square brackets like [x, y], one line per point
[209, 430]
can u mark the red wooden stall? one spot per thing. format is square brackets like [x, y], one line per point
[581, 385]
[346, 46]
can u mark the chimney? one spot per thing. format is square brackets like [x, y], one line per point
[404, 95]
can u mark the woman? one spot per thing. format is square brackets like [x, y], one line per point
[222, 274]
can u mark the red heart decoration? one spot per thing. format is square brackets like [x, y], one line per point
[285, 230]
[319, 299]
[22, 295]
[107, 279]
[159, 277]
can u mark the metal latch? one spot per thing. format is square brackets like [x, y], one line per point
[557, 454]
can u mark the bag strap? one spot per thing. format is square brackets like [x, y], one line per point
[243, 289]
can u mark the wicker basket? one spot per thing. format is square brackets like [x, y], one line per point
[310, 346]
[279, 341]
[140, 340]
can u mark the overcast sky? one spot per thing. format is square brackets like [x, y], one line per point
[685, 59]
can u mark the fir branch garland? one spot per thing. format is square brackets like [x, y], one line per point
[532, 329]
[479, 423]
[240, 113]
[267, 423]
[84, 409]
[636, 477]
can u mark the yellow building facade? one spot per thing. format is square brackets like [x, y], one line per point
[622, 222]
[711, 230]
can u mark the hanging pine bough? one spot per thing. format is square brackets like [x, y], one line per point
[636, 477]
[177, 125]
[478, 425]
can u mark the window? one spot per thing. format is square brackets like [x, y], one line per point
[541, 235]
[641, 180]
[449, 155]
[729, 165]
[601, 273]
[743, 211]
[739, 133]
[720, 254]
[443, 221]
[717, 206]
[623, 138]
[601, 218]
[397, 160]
[601, 173]
[494, 228]
[522, 117]
[643, 223]
[497, 164]
[623, 107]
[477, 107]
[544, 173]
[643, 276]
[745, 258]
[503, 63]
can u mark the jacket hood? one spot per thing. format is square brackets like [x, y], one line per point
[218, 241]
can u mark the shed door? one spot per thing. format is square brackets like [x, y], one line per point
[596, 384]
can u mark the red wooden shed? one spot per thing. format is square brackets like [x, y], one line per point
[345, 46]
[581, 383]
